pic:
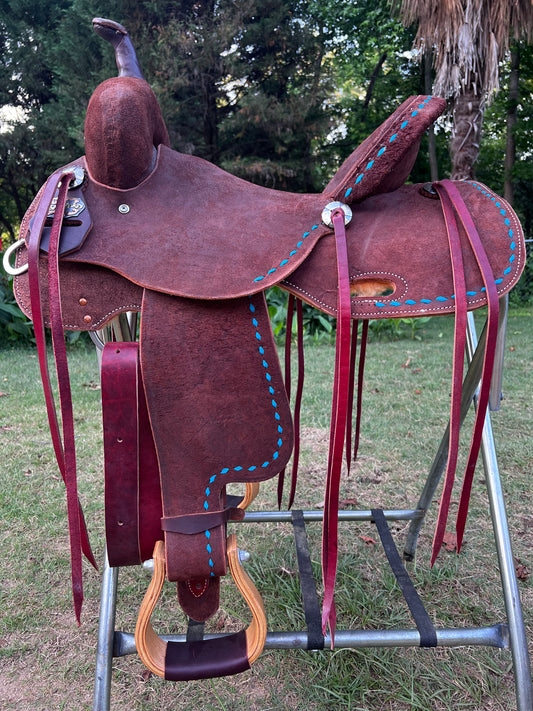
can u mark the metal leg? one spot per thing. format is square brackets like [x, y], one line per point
[106, 634]
[517, 632]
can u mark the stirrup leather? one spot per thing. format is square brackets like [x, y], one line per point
[181, 661]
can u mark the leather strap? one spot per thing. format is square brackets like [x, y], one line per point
[339, 413]
[297, 400]
[64, 448]
[191, 524]
[132, 489]
[490, 352]
[459, 342]
[359, 395]
[452, 203]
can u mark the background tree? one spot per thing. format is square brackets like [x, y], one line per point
[469, 39]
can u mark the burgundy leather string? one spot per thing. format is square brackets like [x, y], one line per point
[459, 343]
[351, 390]
[452, 202]
[288, 338]
[352, 454]
[298, 400]
[360, 380]
[65, 452]
[489, 355]
[339, 413]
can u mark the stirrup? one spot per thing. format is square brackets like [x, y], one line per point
[220, 656]
[252, 489]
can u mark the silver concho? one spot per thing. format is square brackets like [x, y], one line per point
[79, 175]
[330, 209]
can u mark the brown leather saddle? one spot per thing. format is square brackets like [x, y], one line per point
[200, 402]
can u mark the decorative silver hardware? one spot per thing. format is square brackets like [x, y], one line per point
[330, 209]
[427, 190]
[73, 207]
[124, 209]
[79, 176]
[244, 556]
[13, 271]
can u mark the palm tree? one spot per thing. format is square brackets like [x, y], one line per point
[468, 38]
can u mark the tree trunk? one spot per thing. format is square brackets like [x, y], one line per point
[464, 145]
[512, 115]
[432, 147]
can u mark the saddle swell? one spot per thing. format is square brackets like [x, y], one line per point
[194, 249]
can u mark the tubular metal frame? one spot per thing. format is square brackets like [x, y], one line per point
[509, 635]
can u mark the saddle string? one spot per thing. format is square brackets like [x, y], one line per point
[452, 203]
[298, 400]
[339, 412]
[291, 303]
[351, 454]
[287, 379]
[489, 355]
[64, 448]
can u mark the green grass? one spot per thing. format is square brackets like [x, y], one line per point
[46, 662]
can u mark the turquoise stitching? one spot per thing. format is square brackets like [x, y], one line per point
[286, 260]
[507, 270]
[277, 417]
[346, 194]
[382, 150]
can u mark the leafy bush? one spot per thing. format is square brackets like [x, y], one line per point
[14, 326]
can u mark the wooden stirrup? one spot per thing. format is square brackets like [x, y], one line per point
[252, 489]
[198, 659]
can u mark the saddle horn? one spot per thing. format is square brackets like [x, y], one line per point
[124, 124]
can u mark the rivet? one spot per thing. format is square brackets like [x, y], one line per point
[124, 209]
[87, 318]
[82, 302]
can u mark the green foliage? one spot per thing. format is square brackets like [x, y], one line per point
[14, 326]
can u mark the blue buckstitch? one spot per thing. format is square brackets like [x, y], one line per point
[359, 178]
[441, 298]
[370, 165]
[393, 137]
[414, 113]
[404, 124]
[291, 254]
[347, 193]
[381, 151]
[410, 302]
[275, 455]
[425, 301]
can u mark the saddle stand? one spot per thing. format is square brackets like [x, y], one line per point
[199, 402]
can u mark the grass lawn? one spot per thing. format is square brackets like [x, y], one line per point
[47, 663]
